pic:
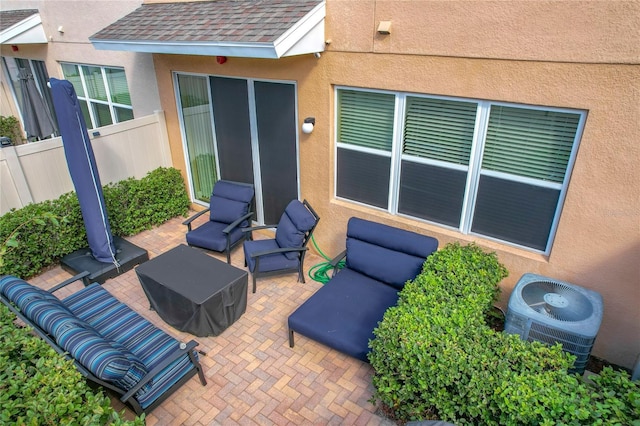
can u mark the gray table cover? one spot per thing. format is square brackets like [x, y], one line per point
[193, 291]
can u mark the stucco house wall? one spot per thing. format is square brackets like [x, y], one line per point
[543, 53]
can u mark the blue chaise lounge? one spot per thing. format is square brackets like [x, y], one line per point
[380, 259]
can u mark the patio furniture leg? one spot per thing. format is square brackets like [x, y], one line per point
[290, 338]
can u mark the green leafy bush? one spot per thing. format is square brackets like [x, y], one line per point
[40, 387]
[435, 357]
[10, 127]
[132, 206]
[137, 205]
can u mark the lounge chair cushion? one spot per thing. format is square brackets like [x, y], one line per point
[116, 321]
[343, 313]
[104, 358]
[387, 254]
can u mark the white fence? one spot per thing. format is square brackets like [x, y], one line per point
[37, 171]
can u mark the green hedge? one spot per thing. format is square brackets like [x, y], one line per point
[40, 387]
[132, 206]
[435, 357]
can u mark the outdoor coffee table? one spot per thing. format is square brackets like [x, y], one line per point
[193, 291]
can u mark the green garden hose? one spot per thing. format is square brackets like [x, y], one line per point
[320, 272]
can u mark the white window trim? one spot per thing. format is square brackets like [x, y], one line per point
[109, 103]
[474, 168]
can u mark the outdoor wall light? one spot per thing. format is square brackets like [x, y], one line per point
[307, 126]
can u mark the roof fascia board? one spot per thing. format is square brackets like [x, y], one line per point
[27, 31]
[305, 36]
[247, 50]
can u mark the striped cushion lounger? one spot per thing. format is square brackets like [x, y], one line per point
[109, 343]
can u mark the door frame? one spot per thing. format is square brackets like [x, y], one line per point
[255, 147]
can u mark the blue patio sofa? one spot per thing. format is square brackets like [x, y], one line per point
[343, 313]
[109, 343]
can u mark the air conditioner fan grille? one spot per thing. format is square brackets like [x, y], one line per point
[556, 300]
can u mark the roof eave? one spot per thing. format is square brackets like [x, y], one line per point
[247, 50]
[27, 31]
[305, 36]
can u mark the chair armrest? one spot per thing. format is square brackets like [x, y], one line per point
[280, 250]
[151, 374]
[336, 260]
[71, 280]
[255, 228]
[237, 222]
[194, 217]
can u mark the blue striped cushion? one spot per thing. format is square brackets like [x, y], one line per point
[20, 292]
[49, 316]
[116, 321]
[40, 306]
[94, 352]
[107, 360]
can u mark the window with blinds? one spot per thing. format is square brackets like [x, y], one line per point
[366, 119]
[365, 139]
[524, 166]
[439, 129]
[436, 148]
[496, 170]
[103, 93]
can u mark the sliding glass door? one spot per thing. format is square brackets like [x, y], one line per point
[243, 130]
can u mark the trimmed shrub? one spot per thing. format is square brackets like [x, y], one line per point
[435, 357]
[132, 206]
[40, 387]
[10, 127]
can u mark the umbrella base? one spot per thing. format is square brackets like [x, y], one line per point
[127, 254]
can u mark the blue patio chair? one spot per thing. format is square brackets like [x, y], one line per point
[229, 212]
[285, 253]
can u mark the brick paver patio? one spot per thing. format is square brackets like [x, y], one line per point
[254, 377]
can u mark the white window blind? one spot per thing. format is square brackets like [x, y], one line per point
[439, 129]
[366, 119]
[530, 143]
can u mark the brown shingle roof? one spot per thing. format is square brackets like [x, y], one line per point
[238, 21]
[9, 18]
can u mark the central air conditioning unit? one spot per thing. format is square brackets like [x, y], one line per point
[551, 311]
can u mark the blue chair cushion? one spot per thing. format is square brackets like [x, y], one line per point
[233, 191]
[294, 223]
[225, 210]
[229, 201]
[391, 255]
[209, 235]
[270, 262]
[105, 359]
[343, 313]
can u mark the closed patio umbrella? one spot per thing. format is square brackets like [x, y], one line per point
[83, 170]
[35, 113]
